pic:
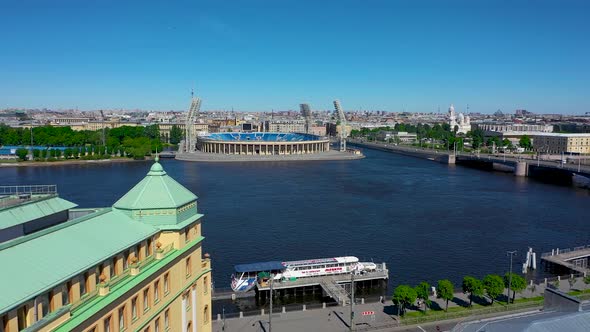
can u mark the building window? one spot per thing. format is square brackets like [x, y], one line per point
[167, 319]
[114, 268]
[166, 283]
[100, 272]
[134, 308]
[67, 293]
[92, 329]
[51, 296]
[138, 252]
[147, 329]
[83, 284]
[146, 299]
[188, 267]
[157, 325]
[206, 314]
[157, 291]
[126, 259]
[5, 324]
[108, 324]
[187, 234]
[149, 247]
[122, 318]
[206, 284]
[22, 317]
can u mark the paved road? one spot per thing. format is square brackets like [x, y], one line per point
[337, 318]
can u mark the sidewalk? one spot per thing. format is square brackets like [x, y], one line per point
[337, 318]
[334, 318]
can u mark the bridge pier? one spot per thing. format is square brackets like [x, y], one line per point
[451, 159]
[521, 168]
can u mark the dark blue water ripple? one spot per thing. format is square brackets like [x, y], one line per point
[426, 220]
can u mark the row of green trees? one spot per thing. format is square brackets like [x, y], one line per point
[523, 142]
[441, 132]
[135, 142]
[438, 131]
[444, 133]
[491, 285]
[88, 152]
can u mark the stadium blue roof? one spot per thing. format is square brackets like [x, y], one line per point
[262, 137]
[259, 267]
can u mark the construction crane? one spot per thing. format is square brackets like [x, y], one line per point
[306, 113]
[342, 120]
[190, 135]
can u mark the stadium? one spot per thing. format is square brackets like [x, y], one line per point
[266, 144]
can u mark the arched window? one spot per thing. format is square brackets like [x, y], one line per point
[206, 314]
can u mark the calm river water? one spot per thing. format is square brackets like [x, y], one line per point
[426, 220]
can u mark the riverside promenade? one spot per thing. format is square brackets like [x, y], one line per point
[337, 318]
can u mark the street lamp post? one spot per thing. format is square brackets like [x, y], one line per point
[223, 314]
[511, 254]
[352, 299]
[270, 311]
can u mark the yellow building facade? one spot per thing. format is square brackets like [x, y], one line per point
[562, 143]
[136, 266]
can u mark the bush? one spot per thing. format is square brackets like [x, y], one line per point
[22, 154]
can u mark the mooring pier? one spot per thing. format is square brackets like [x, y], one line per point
[575, 259]
[332, 285]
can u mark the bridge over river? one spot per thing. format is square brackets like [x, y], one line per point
[546, 170]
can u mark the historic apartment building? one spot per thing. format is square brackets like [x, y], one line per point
[561, 143]
[135, 266]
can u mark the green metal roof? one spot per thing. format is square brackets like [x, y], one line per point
[87, 310]
[52, 256]
[32, 210]
[43, 261]
[156, 191]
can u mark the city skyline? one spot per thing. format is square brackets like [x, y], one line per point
[389, 56]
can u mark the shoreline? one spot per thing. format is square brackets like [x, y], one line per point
[223, 158]
[67, 162]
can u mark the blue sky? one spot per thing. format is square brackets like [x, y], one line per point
[261, 55]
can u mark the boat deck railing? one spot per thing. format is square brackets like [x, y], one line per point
[380, 272]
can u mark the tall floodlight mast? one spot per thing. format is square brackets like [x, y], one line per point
[190, 135]
[306, 113]
[342, 119]
[104, 138]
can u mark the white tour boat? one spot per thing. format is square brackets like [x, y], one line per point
[247, 275]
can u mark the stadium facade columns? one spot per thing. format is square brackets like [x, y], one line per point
[265, 147]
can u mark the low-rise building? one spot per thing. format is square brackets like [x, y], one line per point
[318, 130]
[398, 136]
[514, 127]
[134, 266]
[333, 129]
[561, 143]
[295, 126]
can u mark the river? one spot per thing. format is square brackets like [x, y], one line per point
[427, 221]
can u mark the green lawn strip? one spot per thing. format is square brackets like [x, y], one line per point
[528, 299]
[476, 309]
[579, 292]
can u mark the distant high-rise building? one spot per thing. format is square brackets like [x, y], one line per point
[306, 113]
